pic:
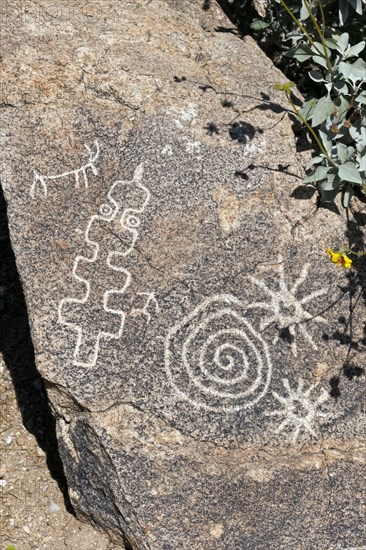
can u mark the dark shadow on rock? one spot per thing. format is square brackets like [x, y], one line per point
[331, 206]
[303, 192]
[270, 106]
[230, 30]
[352, 371]
[234, 11]
[212, 129]
[285, 334]
[335, 392]
[265, 103]
[282, 168]
[243, 132]
[242, 175]
[17, 350]
[302, 139]
[355, 291]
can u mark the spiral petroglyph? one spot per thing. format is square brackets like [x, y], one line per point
[215, 359]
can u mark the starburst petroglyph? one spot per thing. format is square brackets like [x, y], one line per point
[300, 412]
[287, 310]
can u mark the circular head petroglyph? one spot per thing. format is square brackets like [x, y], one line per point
[106, 211]
[214, 359]
[130, 221]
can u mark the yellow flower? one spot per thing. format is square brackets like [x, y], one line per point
[347, 262]
[339, 258]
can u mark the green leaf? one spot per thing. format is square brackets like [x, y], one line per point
[302, 52]
[304, 13]
[314, 160]
[307, 108]
[347, 196]
[316, 76]
[332, 182]
[326, 141]
[361, 98]
[320, 61]
[318, 47]
[358, 133]
[328, 196]
[355, 50]
[319, 174]
[361, 157]
[331, 43]
[343, 11]
[357, 69]
[259, 25]
[329, 188]
[322, 111]
[342, 152]
[348, 172]
[342, 42]
[342, 105]
[341, 86]
[357, 6]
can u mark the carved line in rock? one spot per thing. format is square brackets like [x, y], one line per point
[70, 310]
[215, 360]
[299, 411]
[40, 179]
[147, 307]
[203, 368]
[285, 309]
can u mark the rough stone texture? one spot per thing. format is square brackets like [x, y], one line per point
[204, 360]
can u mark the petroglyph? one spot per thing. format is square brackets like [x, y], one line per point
[151, 304]
[300, 412]
[92, 317]
[214, 358]
[41, 180]
[285, 310]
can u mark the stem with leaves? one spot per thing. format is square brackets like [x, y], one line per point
[320, 33]
[287, 89]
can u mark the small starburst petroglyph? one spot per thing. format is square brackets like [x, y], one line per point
[286, 310]
[299, 410]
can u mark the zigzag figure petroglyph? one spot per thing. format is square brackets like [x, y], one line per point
[41, 179]
[92, 316]
[285, 310]
[299, 411]
[215, 360]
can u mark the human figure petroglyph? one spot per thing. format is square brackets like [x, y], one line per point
[151, 303]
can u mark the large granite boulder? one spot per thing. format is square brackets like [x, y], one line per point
[204, 361]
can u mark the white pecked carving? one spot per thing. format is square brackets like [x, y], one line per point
[92, 316]
[300, 412]
[41, 180]
[214, 359]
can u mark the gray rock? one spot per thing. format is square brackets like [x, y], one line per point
[204, 360]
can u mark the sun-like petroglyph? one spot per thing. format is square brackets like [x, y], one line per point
[214, 359]
[300, 411]
[285, 309]
[81, 172]
[103, 274]
[150, 304]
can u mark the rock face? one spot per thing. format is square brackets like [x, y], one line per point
[204, 361]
